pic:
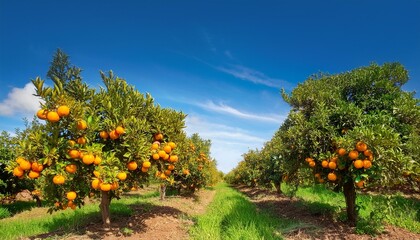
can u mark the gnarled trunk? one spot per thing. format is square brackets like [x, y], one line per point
[350, 196]
[277, 185]
[162, 191]
[104, 206]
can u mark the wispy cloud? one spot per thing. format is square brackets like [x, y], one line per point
[20, 101]
[223, 108]
[254, 76]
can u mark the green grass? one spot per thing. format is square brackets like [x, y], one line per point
[67, 220]
[373, 209]
[232, 216]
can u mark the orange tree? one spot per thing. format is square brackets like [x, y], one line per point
[92, 142]
[353, 130]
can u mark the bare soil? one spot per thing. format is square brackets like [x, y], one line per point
[315, 226]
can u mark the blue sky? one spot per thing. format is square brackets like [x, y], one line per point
[221, 62]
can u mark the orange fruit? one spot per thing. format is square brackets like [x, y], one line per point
[95, 183]
[173, 158]
[113, 135]
[155, 146]
[59, 179]
[166, 157]
[71, 168]
[63, 111]
[334, 159]
[114, 186]
[132, 166]
[353, 154]
[122, 176]
[146, 164]
[171, 167]
[25, 165]
[358, 164]
[341, 151]
[324, 164]
[120, 130]
[19, 159]
[105, 187]
[360, 184]
[37, 167]
[143, 169]
[172, 145]
[158, 136]
[103, 134]
[33, 174]
[163, 176]
[155, 156]
[361, 146]
[73, 153]
[309, 159]
[97, 160]
[332, 165]
[88, 159]
[332, 177]
[312, 164]
[81, 154]
[71, 143]
[367, 164]
[42, 114]
[167, 172]
[71, 195]
[167, 149]
[18, 172]
[53, 117]
[81, 140]
[162, 153]
[81, 125]
[96, 173]
[368, 153]
[186, 171]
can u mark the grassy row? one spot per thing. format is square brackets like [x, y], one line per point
[232, 216]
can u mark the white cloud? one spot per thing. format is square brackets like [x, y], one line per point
[253, 76]
[228, 143]
[20, 101]
[222, 108]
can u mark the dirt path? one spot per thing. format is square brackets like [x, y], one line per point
[315, 226]
[168, 219]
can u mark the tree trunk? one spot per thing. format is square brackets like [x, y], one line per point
[277, 185]
[104, 206]
[162, 191]
[350, 196]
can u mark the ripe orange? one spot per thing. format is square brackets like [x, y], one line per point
[114, 186]
[120, 130]
[81, 154]
[58, 179]
[341, 151]
[132, 166]
[358, 164]
[81, 140]
[71, 195]
[97, 160]
[71, 143]
[37, 167]
[172, 145]
[332, 177]
[158, 136]
[312, 164]
[353, 154]
[171, 167]
[162, 153]
[368, 153]
[334, 159]
[332, 165]
[18, 172]
[25, 165]
[146, 164]
[81, 125]
[155, 146]
[324, 164]
[143, 169]
[155, 156]
[33, 174]
[163, 176]
[309, 159]
[73, 153]
[360, 184]
[105, 187]
[96, 173]
[71, 168]
[88, 159]
[63, 111]
[19, 159]
[166, 157]
[113, 135]
[361, 146]
[122, 176]
[167, 149]
[95, 183]
[103, 134]
[167, 172]
[53, 117]
[367, 164]
[173, 158]
[42, 114]
[186, 171]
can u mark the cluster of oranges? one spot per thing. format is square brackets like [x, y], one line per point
[164, 152]
[34, 169]
[113, 134]
[53, 115]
